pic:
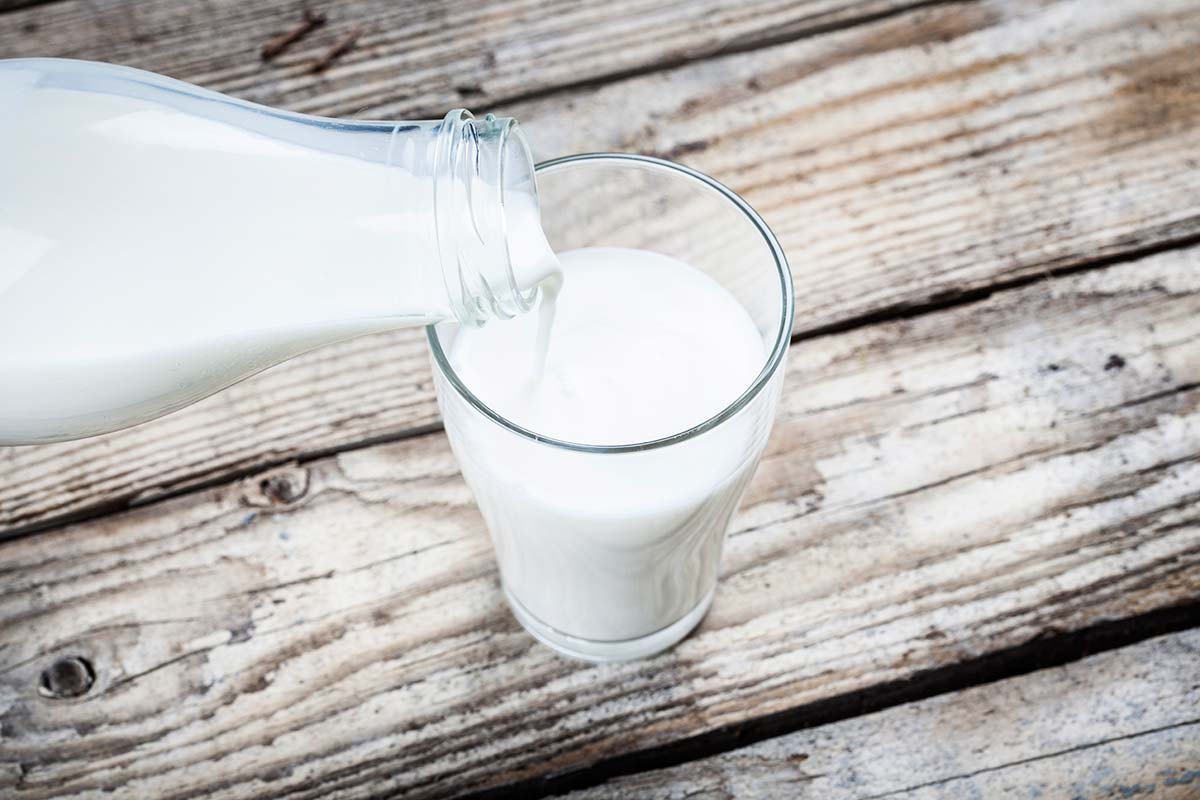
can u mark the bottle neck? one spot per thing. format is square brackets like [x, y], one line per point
[492, 252]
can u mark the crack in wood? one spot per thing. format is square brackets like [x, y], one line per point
[954, 299]
[759, 42]
[1182, 388]
[1033, 759]
[14, 5]
[893, 314]
[124, 681]
[1154, 73]
[1036, 654]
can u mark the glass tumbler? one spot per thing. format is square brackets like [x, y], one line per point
[624, 562]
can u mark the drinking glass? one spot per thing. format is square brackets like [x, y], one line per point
[623, 563]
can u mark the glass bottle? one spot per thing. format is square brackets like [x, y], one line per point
[159, 241]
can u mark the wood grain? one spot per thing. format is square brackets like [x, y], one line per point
[12, 5]
[937, 489]
[1120, 724]
[903, 161]
[416, 59]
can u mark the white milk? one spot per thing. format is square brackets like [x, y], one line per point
[611, 546]
[151, 256]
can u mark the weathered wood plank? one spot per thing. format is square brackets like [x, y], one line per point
[900, 161]
[415, 58]
[1120, 724]
[938, 488]
[12, 5]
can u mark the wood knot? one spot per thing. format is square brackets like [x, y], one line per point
[72, 676]
[278, 488]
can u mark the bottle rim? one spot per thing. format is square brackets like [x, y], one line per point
[474, 176]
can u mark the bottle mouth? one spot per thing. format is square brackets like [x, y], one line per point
[485, 195]
[530, 260]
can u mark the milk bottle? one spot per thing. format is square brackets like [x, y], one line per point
[159, 242]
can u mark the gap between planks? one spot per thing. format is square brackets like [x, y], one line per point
[264, 421]
[1124, 723]
[931, 495]
[802, 28]
[953, 299]
[14, 5]
[899, 312]
[468, 54]
[745, 45]
[847, 188]
[1031, 657]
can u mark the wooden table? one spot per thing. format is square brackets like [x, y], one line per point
[968, 566]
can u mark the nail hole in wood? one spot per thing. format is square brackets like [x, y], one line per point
[282, 488]
[72, 676]
[278, 488]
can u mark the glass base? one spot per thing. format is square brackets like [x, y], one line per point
[602, 651]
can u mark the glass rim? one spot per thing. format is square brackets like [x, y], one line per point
[778, 349]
